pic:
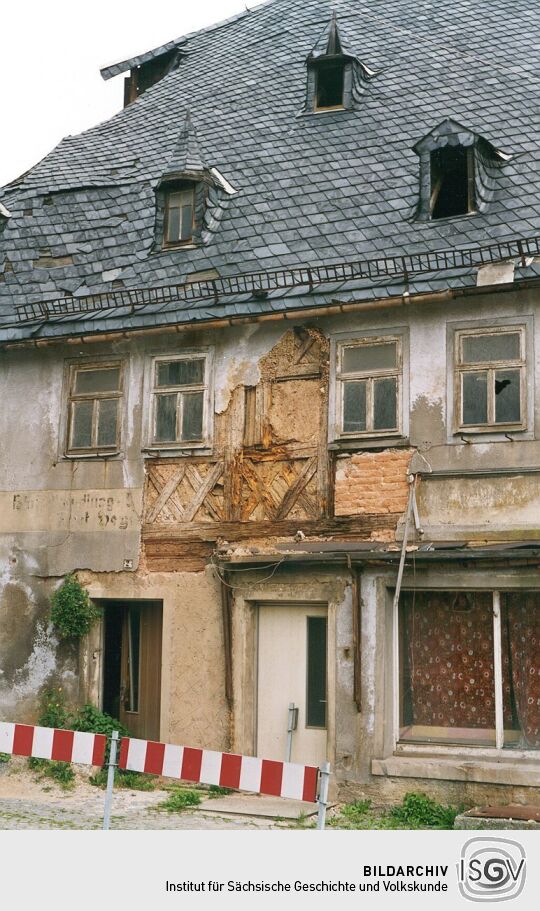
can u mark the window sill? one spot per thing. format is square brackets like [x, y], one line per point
[165, 452]
[489, 767]
[389, 442]
[85, 456]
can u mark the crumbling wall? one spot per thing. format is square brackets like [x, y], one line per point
[372, 482]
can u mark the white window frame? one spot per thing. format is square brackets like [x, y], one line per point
[498, 751]
[490, 367]
[338, 378]
[152, 390]
[72, 368]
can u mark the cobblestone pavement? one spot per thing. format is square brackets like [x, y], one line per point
[30, 814]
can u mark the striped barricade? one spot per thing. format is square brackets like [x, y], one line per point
[52, 743]
[241, 773]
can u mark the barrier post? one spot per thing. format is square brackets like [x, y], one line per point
[110, 781]
[323, 795]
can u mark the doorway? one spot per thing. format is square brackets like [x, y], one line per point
[292, 668]
[132, 633]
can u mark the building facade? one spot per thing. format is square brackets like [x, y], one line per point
[269, 379]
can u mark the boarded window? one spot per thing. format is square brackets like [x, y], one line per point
[368, 385]
[179, 400]
[94, 408]
[452, 182]
[490, 379]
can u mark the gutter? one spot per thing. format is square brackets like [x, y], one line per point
[300, 313]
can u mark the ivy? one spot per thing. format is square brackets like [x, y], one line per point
[73, 613]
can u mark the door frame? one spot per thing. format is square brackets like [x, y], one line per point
[245, 665]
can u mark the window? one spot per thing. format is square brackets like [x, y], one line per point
[316, 672]
[180, 401]
[490, 379]
[452, 181]
[330, 79]
[95, 395]
[368, 387]
[179, 214]
[470, 669]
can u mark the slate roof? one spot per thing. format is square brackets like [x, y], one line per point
[313, 189]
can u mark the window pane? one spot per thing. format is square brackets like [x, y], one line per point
[107, 421]
[173, 224]
[365, 358]
[475, 398]
[330, 84]
[81, 437]
[187, 220]
[354, 407]
[480, 348]
[447, 679]
[106, 380]
[181, 373]
[192, 416]
[316, 672]
[165, 419]
[385, 404]
[507, 396]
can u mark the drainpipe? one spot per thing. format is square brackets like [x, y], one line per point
[412, 511]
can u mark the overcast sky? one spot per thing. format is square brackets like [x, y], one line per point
[50, 56]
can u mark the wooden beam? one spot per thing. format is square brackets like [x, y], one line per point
[296, 489]
[354, 527]
[165, 493]
[211, 479]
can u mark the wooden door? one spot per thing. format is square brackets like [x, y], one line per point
[132, 679]
[292, 668]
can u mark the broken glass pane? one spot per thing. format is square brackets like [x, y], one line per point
[385, 403]
[354, 407]
[365, 358]
[107, 420]
[181, 373]
[507, 396]
[479, 349]
[105, 380]
[165, 419]
[192, 416]
[81, 437]
[475, 407]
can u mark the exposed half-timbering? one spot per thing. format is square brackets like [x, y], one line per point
[270, 384]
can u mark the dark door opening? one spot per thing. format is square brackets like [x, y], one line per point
[132, 665]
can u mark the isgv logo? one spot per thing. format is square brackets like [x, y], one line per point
[491, 869]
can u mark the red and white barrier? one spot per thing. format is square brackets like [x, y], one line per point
[52, 743]
[241, 773]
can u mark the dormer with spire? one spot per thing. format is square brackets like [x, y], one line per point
[336, 76]
[186, 191]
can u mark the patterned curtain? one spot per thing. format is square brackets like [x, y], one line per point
[522, 616]
[448, 661]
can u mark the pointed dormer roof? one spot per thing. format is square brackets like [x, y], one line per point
[330, 44]
[186, 158]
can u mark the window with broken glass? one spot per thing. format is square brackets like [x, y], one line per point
[490, 379]
[179, 214]
[95, 397]
[469, 668]
[368, 384]
[180, 396]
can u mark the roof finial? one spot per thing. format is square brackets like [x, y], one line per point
[333, 47]
[186, 158]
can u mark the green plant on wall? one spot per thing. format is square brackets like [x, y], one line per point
[73, 613]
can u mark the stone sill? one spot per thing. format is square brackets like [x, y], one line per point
[522, 773]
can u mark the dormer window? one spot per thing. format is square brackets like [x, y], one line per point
[179, 221]
[330, 84]
[452, 182]
[459, 172]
